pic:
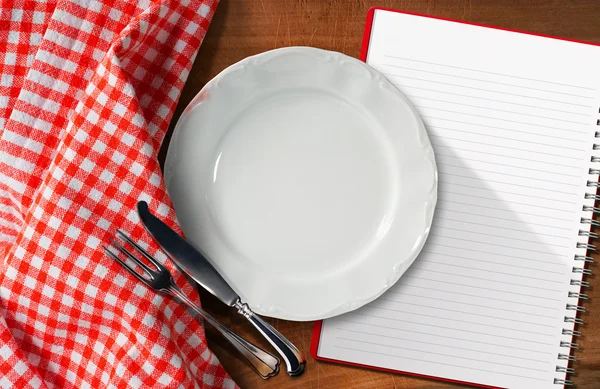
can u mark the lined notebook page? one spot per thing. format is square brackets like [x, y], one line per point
[512, 119]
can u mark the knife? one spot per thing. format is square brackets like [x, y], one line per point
[196, 266]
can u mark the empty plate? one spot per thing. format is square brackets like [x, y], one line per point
[306, 178]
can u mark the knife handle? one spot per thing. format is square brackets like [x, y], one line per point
[265, 364]
[294, 359]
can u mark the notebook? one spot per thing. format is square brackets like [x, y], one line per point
[492, 299]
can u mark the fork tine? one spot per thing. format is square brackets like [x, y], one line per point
[125, 265]
[140, 249]
[135, 259]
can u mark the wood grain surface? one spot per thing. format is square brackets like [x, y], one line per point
[245, 27]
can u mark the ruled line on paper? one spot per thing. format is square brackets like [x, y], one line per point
[537, 269]
[513, 138]
[500, 254]
[485, 279]
[442, 336]
[488, 99]
[440, 354]
[495, 118]
[465, 313]
[497, 145]
[488, 81]
[546, 253]
[486, 90]
[479, 287]
[459, 329]
[504, 128]
[503, 110]
[504, 155]
[438, 344]
[520, 330]
[508, 202]
[439, 363]
[501, 236]
[470, 304]
[504, 174]
[491, 271]
[474, 305]
[499, 218]
[508, 183]
[502, 209]
[494, 73]
[512, 302]
[503, 191]
[513, 166]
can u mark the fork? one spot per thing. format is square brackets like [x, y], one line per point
[265, 364]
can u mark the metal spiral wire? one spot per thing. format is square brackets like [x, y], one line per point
[558, 381]
[583, 260]
[567, 357]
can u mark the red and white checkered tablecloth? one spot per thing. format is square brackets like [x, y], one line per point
[87, 90]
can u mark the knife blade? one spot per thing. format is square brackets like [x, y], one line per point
[196, 266]
[184, 255]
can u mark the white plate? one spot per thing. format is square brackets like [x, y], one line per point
[306, 178]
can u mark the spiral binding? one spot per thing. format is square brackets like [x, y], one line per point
[583, 259]
[583, 284]
[589, 234]
[571, 332]
[581, 296]
[558, 381]
[575, 320]
[567, 357]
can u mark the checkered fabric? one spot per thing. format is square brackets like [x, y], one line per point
[87, 90]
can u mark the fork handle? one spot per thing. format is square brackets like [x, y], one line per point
[265, 364]
[294, 359]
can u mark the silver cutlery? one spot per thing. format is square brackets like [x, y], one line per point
[195, 265]
[160, 279]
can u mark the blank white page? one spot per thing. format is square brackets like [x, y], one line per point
[512, 119]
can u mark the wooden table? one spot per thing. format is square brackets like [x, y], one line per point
[245, 27]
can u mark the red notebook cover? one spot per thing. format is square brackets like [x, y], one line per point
[314, 346]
